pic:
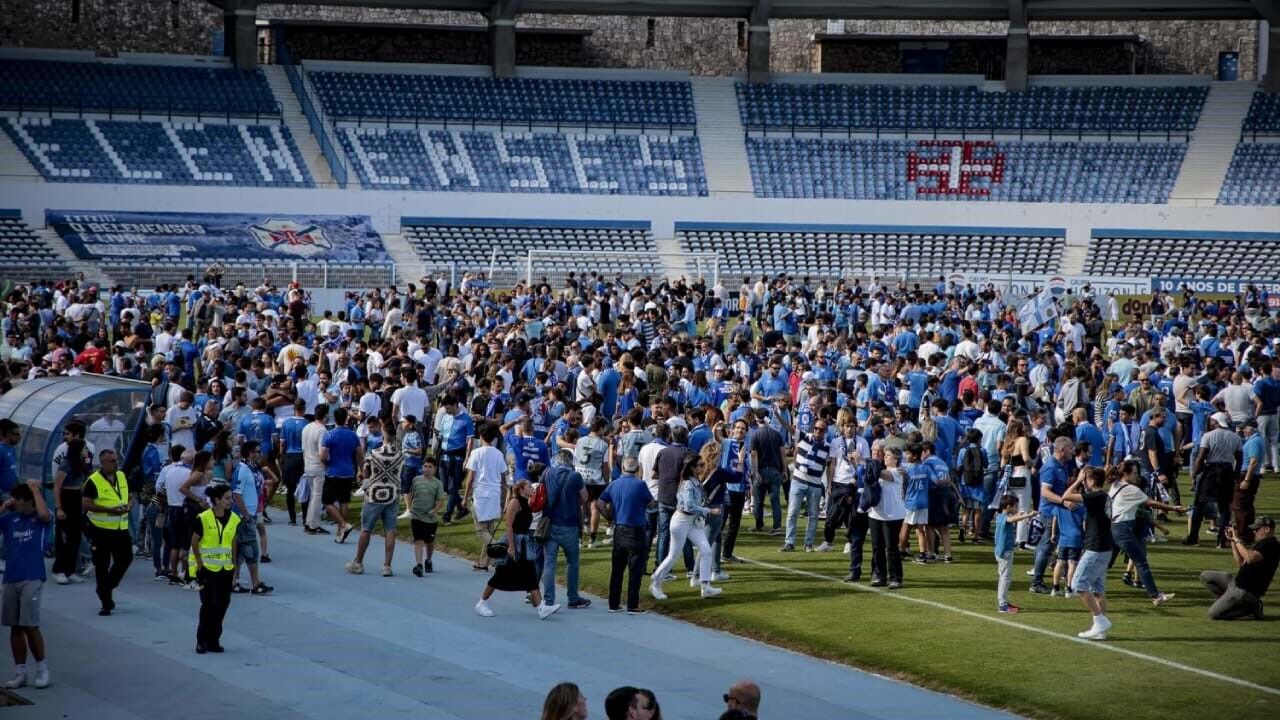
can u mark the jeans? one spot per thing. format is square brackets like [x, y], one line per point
[561, 537]
[1126, 537]
[665, 513]
[859, 526]
[135, 523]
[156, 535]
[1004, 575]
[715, 528]
[630, 555]
[810, 495]
[729, 534]
[686, 529]
[1269, 429]
[886, 559]
[771, 482]
[451, 474]
[1044, 551]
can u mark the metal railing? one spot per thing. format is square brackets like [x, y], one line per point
[137, 107]
[315, 117]
[1022, 131]
[310, 274]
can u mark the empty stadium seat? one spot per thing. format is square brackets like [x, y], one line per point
[468, 245]
[1253, 178]
[241, 154]
[615, 164]
[1264, 114]
[494, 100]
[1077, 172]
[1147, 254]
[105, 86]
[833, 251]
[23, 255]
[1085, 109]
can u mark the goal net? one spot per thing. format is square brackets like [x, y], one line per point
[555, 266]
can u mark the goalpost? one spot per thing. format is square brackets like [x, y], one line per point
[555, 265]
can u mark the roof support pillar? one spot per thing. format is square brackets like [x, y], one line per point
[502, 37]
[240, 32]
[758, 43]
[1017, 47]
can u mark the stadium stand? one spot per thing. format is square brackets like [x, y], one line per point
[1083, 109]
[346, 95]
[23, 256]
[1264, 114]
[112, 86]
[476, 161]
[1116, 172]
[468, 244]
[1253, 177]
[1147, 253]
[162, 152]
[834, 250]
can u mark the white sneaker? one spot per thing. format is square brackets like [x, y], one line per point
[608, 531]
[720, 576]
[1053, 592]
[693, 580]
[656, 591]
[1162, 598]
[19, 679]
[669, 577]
[191, 585]
[354, 567]
[848, 548]
[77, 579]
[1070, 594]
[824, 547]
[709, 590]
[1103, 623]
[403, 516]
[545, 611]
[42, 679]
[87, 572]
[386, 571]
[483, 609]
[61, 579]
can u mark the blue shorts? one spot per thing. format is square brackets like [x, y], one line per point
[372, 513]
[1091, 573]
[407, 474]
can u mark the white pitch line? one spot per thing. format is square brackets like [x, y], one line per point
[1029, 628]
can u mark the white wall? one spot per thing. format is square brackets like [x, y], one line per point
[387, 207]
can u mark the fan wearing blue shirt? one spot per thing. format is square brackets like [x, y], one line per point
[342, 456]
[1087, 432]
[629, 496]
[24, 532]
[919, 478]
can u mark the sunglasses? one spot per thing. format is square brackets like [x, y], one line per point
[728, 697]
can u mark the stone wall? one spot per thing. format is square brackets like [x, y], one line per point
[703, 46]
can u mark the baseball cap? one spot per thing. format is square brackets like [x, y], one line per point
[1263, 522]
[1222, 419]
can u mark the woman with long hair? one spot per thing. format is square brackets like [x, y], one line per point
[565, 702]
[715, 483]
[689, 523]
[1015, 469]
[517, 572]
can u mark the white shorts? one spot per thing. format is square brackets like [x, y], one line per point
[917, 517]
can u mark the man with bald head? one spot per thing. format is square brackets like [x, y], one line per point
[744, 696]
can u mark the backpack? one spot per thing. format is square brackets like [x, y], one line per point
[383, 466]
[539, 500]
[974, 466]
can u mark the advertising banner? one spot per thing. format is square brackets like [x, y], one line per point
[1026, 285]
[1218, 286]
[178, 236]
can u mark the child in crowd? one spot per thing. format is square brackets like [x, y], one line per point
[1070, 546]
[426, 498]
[1006, 521]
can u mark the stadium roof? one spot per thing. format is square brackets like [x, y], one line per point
[1018, 11]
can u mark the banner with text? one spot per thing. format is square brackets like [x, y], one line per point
[180, 236]
[1219, 286]
[1026, 285]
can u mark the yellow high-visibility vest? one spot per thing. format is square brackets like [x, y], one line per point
[215, 543]
[110, 495]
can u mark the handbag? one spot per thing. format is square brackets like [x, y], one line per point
[496, 550]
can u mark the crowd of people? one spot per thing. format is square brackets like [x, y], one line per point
[653, 418]
[566, 701]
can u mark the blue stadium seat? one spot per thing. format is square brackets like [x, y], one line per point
[1076, 172]
[1090, 109]
[493, 100]
[1147, 254]
[241, 154]
[23, 255]
[102, 86]
[1253, 178]
[1264, 114]
[465, 161]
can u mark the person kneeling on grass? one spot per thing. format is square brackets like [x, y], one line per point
[1090, 578]
[1006, 521]
[24, 532]
[1241, 596]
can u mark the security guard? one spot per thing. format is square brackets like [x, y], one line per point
[213, 558]
[106, 503]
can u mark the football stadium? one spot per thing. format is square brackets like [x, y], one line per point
[635, 359]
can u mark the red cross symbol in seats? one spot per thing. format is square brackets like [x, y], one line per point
[951, 167]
